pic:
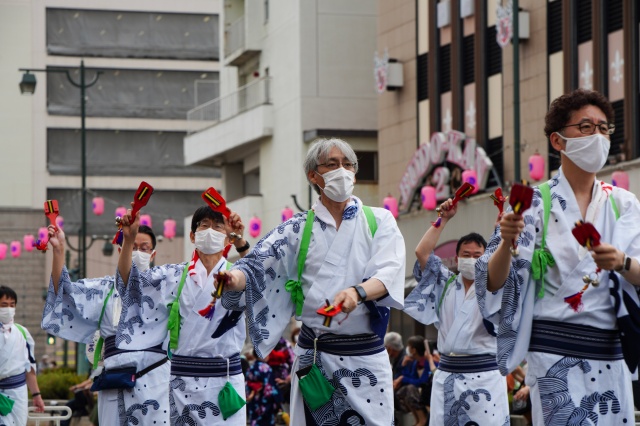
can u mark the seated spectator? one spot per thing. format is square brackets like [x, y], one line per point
[82, 402]
[415, 373]
[395, 348]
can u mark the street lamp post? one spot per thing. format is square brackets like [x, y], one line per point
[28, 86]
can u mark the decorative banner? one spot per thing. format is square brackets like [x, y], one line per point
[169, 229]
[536, 167]
[440, 162]
[471, 177]
[43, 234]
[29, 242]
[504, 23]
[145, 219]
[121, 211]
[391, 204]
[620, 179]
[255, 226]
[428, 197]
[16, 249]
[3, 251]
[287, 214]
[381, 71]
[60, 222]
[98, 206]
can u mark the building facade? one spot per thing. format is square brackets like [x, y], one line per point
[292, 72]
[151, 63]
[459, 95]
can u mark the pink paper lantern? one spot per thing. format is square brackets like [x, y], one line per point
[255, 226]
[16, 249]
[121, 211]
[145, 219]
[391, 204]
[428, 196]
[98, 206]
[29, 242]
[471, 176]
[59, 222]
[620, 179]
[3, 250]
[43, 234]
[536, 167]
[169, 231]
[287, 214]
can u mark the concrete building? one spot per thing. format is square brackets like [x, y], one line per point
[457, 78]
[157, 61]
[292, 72]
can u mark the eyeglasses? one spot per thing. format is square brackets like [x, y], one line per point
[333, 165]
[589, 128]
[201, 226]
[143, 248]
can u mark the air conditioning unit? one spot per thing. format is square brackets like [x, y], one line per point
[444, 13]
[395, 79]
[466, 8]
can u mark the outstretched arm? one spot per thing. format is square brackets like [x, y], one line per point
[430, 238]
[32, 384]
[130, 227]
[56, 238]
[511, 225]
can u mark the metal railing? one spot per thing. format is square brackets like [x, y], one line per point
[225, 107]
[234, 36]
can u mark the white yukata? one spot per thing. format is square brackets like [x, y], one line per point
[16, 359]
[461, 332]
[336, 260]
[193, 398]
[576, 368]
[73, 314]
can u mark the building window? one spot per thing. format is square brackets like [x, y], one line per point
[468, 59]
[423, 77]
[495, 151]
[445, 68]
[367, 166]
[554, 27]
[584, 20]
[494, 53]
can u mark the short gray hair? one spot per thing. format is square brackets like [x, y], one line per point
[319, 152]
[393, 340]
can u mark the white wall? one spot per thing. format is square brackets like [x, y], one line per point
[16, 160]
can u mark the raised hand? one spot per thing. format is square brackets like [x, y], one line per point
[511, 225]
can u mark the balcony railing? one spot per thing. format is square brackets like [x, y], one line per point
[234, 37]
[225, 107]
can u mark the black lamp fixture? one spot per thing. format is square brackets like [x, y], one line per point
[28, 84]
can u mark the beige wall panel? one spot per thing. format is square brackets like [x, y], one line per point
[491, 13]
[616, 66]
[585, 65]
[423, 26]
[470, 110]
[494, 90]
[556, 79]
[423, 116]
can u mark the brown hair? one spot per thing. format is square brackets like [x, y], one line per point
[561, 108]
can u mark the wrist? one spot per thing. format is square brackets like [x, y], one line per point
[35, 394]
[244, 247]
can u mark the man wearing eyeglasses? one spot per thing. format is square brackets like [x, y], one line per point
[566, 308]
[206, 329]
[88, 311]
[339, 258]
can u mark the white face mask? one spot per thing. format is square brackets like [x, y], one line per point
[7, 314]
[338, 184]
[210, 241]
[467, 267]
[587, 152]
[141, 259]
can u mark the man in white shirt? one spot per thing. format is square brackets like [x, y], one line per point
[467, 385]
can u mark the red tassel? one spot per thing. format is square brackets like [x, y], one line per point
[226, 251]
[41, 245]
[575, 301]
[208, 311]
[118, 238]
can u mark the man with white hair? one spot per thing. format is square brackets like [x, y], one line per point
[340, 258]
[395, 348]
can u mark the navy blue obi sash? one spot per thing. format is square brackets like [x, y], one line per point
[14, 381]
[110, 348]
[337, 344]
[205, 367]
[580, 341]
[467, 363]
